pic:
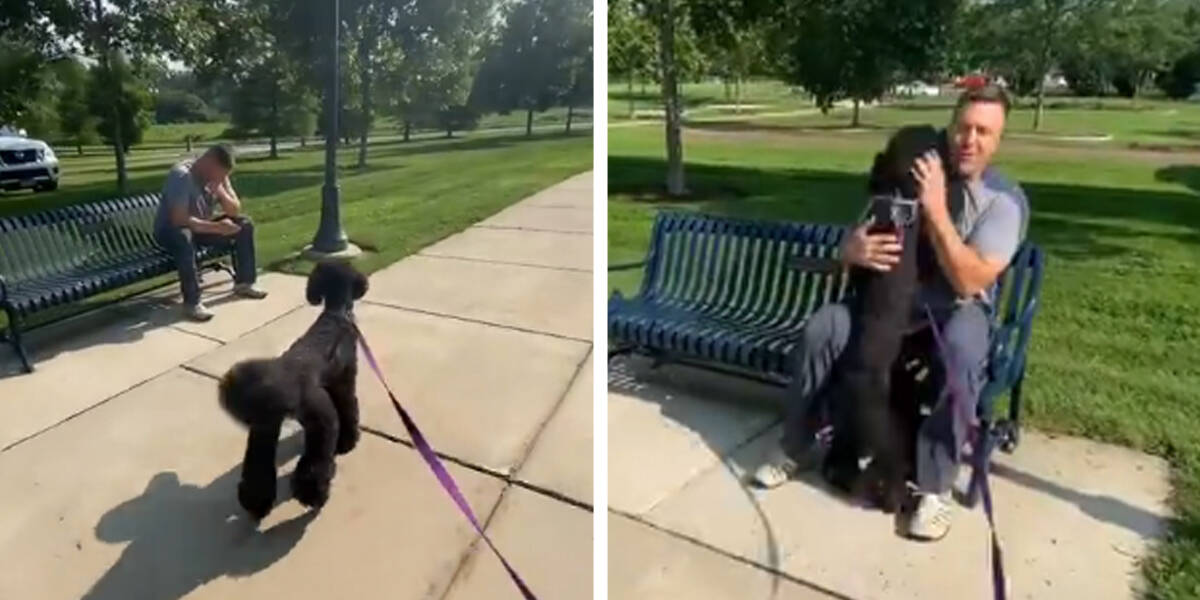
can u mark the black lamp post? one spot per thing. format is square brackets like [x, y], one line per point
[330, 240]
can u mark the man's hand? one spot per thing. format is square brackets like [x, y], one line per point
[226, 227]
[223, 191]
[878, 251]
[931, 179]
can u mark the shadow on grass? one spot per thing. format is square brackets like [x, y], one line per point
[1064, 216]
[179, 536]
[1185, 134]
[781, 127]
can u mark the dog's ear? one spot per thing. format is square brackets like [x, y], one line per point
[876, 181]
[315, 291]
[360, 285]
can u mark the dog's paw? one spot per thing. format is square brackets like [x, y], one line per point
[258, 500]
[310, 488]
[347, 439]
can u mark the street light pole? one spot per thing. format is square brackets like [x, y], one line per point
[330, 240]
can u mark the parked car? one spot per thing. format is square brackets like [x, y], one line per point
[26, 162]
[917, 88]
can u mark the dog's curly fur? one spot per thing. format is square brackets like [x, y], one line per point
[312, 382]
[872, 422]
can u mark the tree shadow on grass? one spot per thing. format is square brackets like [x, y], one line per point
[1064, 217]
[181, 536]
[782, 127]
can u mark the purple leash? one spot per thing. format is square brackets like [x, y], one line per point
[999, 587]
[435, 465]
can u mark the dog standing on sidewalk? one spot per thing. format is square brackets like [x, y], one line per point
[312, 382]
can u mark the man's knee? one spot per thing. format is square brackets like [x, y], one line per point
[175, 238]
[966, 333]
[828, 327]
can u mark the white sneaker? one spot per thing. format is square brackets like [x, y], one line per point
[249, 290]
[779, 468]
[931, 520]
[197, 312]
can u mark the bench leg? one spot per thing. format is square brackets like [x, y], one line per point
[14, 338]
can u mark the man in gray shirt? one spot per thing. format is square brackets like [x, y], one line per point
[974, 237]
[185, 220]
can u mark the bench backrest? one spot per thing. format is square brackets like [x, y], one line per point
[739, 268]
[37, 245]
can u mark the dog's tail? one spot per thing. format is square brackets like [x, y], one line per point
[251, 393]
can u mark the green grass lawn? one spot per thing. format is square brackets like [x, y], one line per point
[1113, 354]
[411, 195]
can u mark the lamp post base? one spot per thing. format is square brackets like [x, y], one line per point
[348, 253]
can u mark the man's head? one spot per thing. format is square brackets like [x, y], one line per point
[215, 164]
[976, 127]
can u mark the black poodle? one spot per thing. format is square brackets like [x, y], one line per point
[312, 382]
[872, 452]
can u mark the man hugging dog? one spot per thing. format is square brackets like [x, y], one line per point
[971, 235]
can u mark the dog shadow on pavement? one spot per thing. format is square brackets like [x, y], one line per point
[181, 536]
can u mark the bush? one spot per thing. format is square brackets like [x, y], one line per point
[1180, 80]
[174, 106]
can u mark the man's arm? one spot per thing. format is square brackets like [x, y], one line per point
[231, 205]
[181, 218]
[970, 265]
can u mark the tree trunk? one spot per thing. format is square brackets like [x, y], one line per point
[365, 49]
[187, 141]
[728, 89]
[632, 103]
[1039, 104]
[78, 147]
[303, 141]
[854, 120]
[407, 129]
[529, 122]
[670, 90]
[274, 120]
[570, 114]
[737, 94]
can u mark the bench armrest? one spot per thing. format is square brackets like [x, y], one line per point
[815, 264]
[627, 266]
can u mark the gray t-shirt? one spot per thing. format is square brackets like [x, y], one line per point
[990, 216]
[183, 188]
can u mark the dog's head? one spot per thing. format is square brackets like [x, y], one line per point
[892, 171]
[335, 283]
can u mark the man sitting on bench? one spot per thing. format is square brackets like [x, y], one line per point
[974, 241]
[185, 220]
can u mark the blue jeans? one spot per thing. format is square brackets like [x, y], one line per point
[941, 436]
[182, 242]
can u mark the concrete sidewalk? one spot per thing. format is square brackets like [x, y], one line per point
[1074, 516]
[120, 470]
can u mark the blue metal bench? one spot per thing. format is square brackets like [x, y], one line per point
[727, 294]
[59, 256]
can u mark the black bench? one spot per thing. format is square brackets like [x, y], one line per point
[731, 295]
[59, 256]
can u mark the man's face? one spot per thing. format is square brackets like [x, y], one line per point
[210, 170]
[975, 135]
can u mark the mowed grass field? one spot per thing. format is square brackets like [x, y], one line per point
[1114, 350]
[410, 195]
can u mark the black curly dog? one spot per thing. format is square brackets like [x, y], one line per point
[873, 424]
[312, 382]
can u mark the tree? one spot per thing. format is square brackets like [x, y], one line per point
[105, 30]
[580, 92]
[22, 69]
[857, 49]
[1027, 38]
[76, 122]
[119, 101]
[271, 102]
[631, 45]
[529, 66]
